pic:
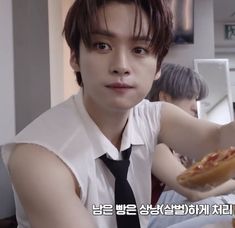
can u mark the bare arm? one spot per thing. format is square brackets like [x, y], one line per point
[227, 135]
[167, 167]
[193, 137]
[47, 189]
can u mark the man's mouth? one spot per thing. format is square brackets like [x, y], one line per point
[118, 85]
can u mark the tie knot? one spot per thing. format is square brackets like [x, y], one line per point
[118, 168]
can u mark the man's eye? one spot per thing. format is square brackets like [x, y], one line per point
[102, 46]
[140, 51]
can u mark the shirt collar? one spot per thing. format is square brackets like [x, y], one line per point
[100, 143]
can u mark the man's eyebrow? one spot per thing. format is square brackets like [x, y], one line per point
[112, 34]
[103, 33]
[142, 38]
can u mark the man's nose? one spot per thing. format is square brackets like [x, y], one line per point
[120, 63]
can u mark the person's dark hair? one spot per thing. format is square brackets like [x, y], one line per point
[179, 82]
[81, 18]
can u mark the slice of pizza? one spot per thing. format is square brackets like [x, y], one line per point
[213, 170]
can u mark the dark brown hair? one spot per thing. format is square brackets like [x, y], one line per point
[81, 16]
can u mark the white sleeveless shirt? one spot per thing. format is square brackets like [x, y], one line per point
[68, 131]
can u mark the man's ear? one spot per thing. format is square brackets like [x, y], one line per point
[165, 97]
[74, 62]
[157, 75]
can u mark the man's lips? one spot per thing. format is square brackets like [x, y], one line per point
[119, 86]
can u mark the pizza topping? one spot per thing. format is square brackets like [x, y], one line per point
[232, 152]
[212, 157]
[225, 157]
[211, 160]
[227, 154]
[199, 167]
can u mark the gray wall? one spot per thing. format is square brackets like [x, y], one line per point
[7, 103]
[31, 60]
[203, 46]
[24, 75]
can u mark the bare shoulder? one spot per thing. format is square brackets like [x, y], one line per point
[32, 153]
[31, 159]
[43, 182]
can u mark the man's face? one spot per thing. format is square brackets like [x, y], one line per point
[118, 71]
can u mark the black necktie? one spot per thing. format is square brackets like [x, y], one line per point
[123, 191]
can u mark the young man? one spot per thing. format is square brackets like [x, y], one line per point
[180, 86]
[116, 51]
